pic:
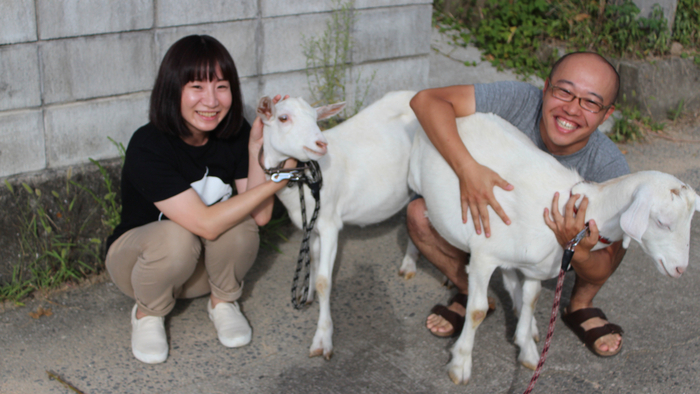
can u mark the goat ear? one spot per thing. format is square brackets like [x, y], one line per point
[635, 220]
[329, 110]
[266, 108]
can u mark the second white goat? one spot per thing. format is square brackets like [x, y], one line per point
[653, 208]
[364, 164]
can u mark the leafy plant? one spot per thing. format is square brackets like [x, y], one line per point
[328, 60]
[630, 124]
[272, 230]
[512, 34]
[675, 113]
[54, 246]
[687, 23]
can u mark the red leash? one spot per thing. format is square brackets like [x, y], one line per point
[550, 332]
[565, 265]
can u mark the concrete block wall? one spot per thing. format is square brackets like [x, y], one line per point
[75, 72]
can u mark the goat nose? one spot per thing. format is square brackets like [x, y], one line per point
[680, 270]
[321, 144]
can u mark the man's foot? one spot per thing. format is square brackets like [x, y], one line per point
[449, 321]
[593, 328]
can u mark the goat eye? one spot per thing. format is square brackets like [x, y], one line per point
[662, 225]
[283, 118]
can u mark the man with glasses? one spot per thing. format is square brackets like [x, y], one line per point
[561, 119]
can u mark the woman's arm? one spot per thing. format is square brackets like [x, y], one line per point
[188, 210]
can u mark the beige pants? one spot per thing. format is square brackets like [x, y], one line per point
[161, 261]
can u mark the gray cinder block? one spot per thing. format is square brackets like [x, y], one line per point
[69, 18]
[19, 79]
[293, 83]
[282, 49]
[408, 33]
[21, 142]
[656, 88]
[668, 7]
[17, 21]
[76, 132]
[388, 3]
[237, 37]
[270, 8]
[399, 74]
[249, 91]
[190, 12]
[97, 66]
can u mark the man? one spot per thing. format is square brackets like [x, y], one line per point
[561, 119]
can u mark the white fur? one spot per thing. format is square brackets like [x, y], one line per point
[364, 168]
[653, 208]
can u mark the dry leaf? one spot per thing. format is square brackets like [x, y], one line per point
[40, 311]
[581, 17]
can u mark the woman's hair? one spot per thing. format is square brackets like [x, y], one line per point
[193, 58]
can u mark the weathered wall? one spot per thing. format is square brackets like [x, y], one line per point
[74, 72]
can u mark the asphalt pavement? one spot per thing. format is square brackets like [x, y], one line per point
[380, 342]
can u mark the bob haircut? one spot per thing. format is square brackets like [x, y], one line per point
[193, 58]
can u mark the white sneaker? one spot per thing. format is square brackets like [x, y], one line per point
[231, 326]
[148, 341]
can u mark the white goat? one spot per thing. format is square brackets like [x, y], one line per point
[653, 208]
[364, 164]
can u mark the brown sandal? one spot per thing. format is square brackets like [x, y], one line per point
[454, 318]
[574, 320]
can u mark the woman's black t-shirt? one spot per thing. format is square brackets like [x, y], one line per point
[158, 166]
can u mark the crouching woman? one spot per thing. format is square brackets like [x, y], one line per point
[183, 233]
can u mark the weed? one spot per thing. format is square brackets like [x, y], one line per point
[630, 125]
[328, 60]
[512, 34]
[51, 234]
[675, 113]
[687, 23]
[273, 229]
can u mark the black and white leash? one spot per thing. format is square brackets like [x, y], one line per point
[310, 174]
[565, 266]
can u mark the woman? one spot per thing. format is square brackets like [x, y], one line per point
[183, 234]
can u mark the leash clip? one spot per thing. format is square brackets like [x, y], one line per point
[569, 249]
[580, 236]
[282, 176]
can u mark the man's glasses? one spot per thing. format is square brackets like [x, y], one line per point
[588, 105]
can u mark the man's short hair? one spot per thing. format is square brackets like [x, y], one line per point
[617, 75]
[193, 58]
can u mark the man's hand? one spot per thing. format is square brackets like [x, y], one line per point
[567, 226]
[476, 193]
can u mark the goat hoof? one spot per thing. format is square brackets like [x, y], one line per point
[316, 353]
[328, 355]
[528, 365]
[456, 379]
[407, 275]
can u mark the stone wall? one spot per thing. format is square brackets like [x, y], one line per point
[75, 72]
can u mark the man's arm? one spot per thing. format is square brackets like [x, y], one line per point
[437, 110]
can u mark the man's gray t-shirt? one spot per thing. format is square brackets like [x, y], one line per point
[521, 104]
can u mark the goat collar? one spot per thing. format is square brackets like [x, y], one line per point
[601, 239]
[278, 169]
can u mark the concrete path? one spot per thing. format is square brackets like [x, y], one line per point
[381, 344]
